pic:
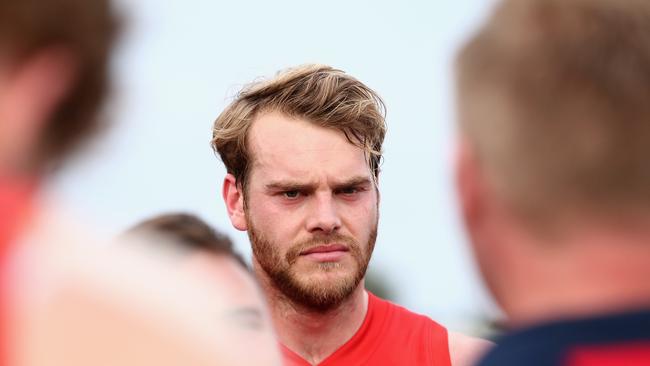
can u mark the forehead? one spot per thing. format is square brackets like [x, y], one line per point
[282, 145]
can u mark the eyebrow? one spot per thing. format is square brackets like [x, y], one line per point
[290, 185]
[353, 182]
[287, 185]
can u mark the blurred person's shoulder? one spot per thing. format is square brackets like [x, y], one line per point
[617, 338]
[466, 350]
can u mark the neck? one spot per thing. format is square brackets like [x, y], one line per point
[312, 334]
[596, 272]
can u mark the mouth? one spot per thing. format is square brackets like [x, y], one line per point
[325, 253]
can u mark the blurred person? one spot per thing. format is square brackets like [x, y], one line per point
[554, 180]
[302, 151]
[67, 299]
[53, 77]
[201, 249]
[188, 233]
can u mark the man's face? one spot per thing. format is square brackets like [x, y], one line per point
[311, 210]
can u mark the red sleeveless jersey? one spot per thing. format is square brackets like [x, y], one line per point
[389, 336]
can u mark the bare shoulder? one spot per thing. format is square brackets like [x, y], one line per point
[465, 350]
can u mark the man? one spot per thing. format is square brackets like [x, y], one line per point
[198, 248]
[53, 76]
[302, 151]
[188, 233]
[554, 179]
[66, 299]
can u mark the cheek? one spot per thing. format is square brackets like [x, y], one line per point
[362, 218]
[279, 228]
[269, 212]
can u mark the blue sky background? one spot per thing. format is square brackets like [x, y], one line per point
[180, 62]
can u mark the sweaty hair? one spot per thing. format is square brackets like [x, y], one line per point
[554, 97]
[86, 29]
[322, 95]
[189, 232]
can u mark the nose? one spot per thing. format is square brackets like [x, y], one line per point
[323, 216]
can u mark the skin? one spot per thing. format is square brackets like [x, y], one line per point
[299, 188]
[63, 310]
[29, 94]
[314, 183]
[242, 311]
[30, 90]
[205, 311]
[591, 264]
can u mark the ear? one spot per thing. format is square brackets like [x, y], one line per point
[30, 94]
[477, 212]
[234, 199]
[377, 190]
[469, 186]
[482, 213]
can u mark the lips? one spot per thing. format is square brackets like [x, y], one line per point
[326, 253]
[325, 249]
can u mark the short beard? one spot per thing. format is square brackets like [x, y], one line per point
[312, 295]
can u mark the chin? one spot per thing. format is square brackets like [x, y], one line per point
[326, 271]
[329, 277]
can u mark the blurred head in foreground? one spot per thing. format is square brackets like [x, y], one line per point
[552, 170]
[66, 299]
[54, 58]
[189, 234]
[152, 298]
[203, 251]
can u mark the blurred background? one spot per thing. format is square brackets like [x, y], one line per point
[181, 62]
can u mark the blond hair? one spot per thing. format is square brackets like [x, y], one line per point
[320, 94]
[554, 97]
